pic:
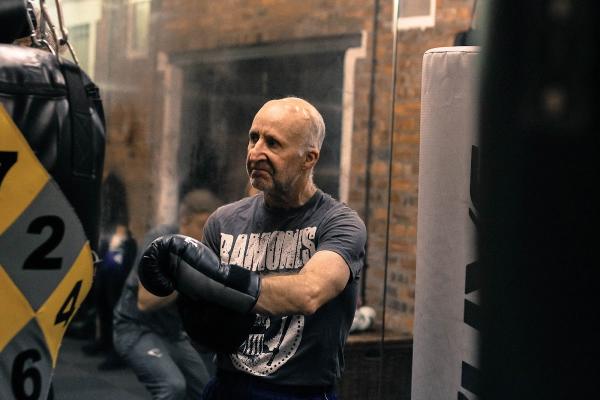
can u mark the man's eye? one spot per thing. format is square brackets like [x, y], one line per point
[272, 142]
[253, 137]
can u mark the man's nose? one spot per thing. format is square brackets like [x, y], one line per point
[256, 151]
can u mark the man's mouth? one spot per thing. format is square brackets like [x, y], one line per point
[260, 169]
[255, 172]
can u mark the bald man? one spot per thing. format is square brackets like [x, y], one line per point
[308, 249]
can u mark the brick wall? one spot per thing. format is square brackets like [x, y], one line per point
[134, 107]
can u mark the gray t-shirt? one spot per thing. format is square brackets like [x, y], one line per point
[164, 321]
[293, 349]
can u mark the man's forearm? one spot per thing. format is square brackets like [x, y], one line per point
[322, 278]
[287, 294]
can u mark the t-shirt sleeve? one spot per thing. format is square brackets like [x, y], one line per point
[344, 233]
[211, 236]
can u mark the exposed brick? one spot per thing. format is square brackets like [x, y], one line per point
[181, 26]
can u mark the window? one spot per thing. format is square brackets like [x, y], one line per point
[221, 99]
[138, 25]
[81, 17]
[79, 37]
[414, 14]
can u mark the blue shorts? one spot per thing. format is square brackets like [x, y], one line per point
[239, 386]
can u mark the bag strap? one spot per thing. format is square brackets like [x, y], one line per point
[80, 143]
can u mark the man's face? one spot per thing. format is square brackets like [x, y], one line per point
[192, 225]
[276, 150]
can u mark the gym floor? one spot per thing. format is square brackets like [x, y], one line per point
[77, 377]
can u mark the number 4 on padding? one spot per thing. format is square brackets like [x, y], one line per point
[7, 160]
[69, 306]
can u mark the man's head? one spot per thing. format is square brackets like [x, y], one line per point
[194, 210]
[284, 145]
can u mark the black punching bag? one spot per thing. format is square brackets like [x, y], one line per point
[539, 204]
[58, 110]
[51, 157]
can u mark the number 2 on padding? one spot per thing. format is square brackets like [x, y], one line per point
[39, 258]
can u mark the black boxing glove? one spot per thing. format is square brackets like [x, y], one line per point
[214, 327]
[178, 262]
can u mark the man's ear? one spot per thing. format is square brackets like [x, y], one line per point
[310, 158]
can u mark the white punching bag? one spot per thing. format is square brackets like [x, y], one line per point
[447, 317]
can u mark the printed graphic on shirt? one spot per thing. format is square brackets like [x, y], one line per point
[271, 343]
[271, 251]
[272, 340]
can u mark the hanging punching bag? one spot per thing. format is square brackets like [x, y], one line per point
[446, 333]
[540, 152]
[51, 159]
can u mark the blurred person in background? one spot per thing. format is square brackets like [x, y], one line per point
[117, 251]
[148, 331]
